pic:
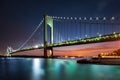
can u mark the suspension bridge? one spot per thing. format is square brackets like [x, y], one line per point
[55, 31]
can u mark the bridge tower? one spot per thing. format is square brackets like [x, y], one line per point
[9, 50]
[48, 21]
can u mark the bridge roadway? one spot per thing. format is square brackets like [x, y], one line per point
[97, 39]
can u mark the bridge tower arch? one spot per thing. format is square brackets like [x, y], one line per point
[48, 21]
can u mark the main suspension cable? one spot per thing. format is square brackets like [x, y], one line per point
[31, 34]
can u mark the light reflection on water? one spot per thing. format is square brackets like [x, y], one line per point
[54, 69]
[38, 72]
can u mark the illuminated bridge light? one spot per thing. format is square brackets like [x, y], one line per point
[115, 36]
[86, 36]
[97, 18]
[114, 32]
[67, 17]
[119, 34]
[71, 18]
[113, 18]
[100, 35]
[104, 18]
[98, 38]
[107, 36]
[85, 18]
[80, 18]
[55, 17]
[90, 18]
[83, 40]
[75, 18]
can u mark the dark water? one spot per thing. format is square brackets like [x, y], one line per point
[54, 69]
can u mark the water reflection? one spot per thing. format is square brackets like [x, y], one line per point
[38, 72]
[55, 69]
[105, 72]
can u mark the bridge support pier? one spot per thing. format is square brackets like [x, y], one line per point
[48, 52]
[48, 21]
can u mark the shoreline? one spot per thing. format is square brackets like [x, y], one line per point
[104, 61]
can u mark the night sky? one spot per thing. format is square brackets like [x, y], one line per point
[18, 18]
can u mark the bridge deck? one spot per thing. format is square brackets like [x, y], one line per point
[97, 39]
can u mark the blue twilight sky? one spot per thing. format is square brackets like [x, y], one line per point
[18, 18]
